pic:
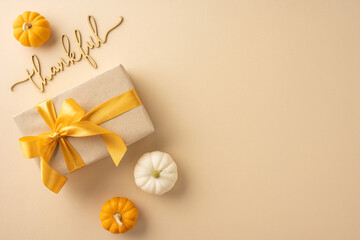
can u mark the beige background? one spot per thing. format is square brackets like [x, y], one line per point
[257, 101]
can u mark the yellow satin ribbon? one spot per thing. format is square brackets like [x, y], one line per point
[73, 122]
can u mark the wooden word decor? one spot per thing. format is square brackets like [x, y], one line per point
[36, 77]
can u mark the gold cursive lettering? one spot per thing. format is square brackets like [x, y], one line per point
[83, 52]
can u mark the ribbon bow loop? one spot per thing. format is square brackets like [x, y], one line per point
[70, 112]
[73, 122]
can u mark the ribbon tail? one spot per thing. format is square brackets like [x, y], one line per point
[53, 180]
[72, 158]
[114, 143]
[115, 146]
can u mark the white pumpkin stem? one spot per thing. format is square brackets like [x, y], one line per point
[117, 217]
[26, 26]
[156, 173]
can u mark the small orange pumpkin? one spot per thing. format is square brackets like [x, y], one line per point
[118, 215]
[31, 29]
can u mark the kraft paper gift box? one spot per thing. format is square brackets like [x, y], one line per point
[131, 126]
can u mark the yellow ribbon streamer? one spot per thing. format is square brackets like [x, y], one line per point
[73, 122]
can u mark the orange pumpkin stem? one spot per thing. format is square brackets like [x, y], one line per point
[117, 217]
[26, 26]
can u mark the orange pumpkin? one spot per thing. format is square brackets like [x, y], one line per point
[31, 29]
[118, 215]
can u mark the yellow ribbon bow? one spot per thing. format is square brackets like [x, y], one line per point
[73, 122]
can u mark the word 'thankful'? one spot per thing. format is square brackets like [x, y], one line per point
[36, 77]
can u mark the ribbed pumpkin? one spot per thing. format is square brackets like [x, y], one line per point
[118, 215]
[31, 29]
[156, 173]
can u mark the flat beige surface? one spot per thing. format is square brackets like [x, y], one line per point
[257, 102]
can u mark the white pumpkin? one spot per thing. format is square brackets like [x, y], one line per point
[155, 172]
